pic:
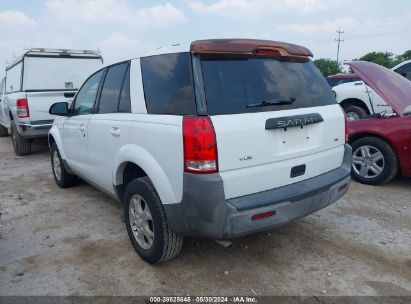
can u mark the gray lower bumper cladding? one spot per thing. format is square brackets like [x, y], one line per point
[204, 212]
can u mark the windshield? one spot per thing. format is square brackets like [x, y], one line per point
[57, 73]
[232, 84]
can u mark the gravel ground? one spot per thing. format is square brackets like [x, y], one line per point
[72, 242]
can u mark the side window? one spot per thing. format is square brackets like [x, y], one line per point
[87, 95]
[406, 69]
[125, 100]
[110, 93]
[168, 84]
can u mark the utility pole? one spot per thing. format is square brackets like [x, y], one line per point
[339, 32]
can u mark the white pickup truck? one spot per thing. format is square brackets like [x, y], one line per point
[359, 101]
[33, 82]
[216, 139]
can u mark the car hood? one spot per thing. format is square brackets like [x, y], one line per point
[392, 87]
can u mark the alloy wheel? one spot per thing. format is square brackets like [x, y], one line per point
[56, 165]
[352, 116]
[141, 221]
[368, 161]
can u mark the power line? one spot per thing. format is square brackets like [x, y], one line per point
[339, 32]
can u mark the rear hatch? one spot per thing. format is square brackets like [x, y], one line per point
[54, 78]
[298, 136]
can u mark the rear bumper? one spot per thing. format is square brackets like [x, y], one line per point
[204, 212]
[35, 129]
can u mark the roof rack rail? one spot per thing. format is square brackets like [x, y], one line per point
[16, 60]
[68, 51]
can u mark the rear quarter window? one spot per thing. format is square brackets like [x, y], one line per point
[125, 100]
[232, 84]
[110, 93]
[168, 84]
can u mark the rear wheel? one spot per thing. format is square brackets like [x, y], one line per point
[22, 146]
[374, 161]
[355, 112]
[61, 176]
[146, 222]
[3, 131]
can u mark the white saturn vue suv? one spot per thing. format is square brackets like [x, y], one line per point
[215, 139]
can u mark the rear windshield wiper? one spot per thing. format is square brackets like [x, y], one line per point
[271, 102]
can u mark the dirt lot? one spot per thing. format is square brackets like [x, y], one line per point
[72, 242]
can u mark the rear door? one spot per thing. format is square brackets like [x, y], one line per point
[261, 147]
[75, 132]
[107, 128]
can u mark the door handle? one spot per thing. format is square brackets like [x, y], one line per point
[82, 128]
[114, 131]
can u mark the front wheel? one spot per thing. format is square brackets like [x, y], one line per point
[61, 176]
[374, 161]
[355, 112]
[146, 222]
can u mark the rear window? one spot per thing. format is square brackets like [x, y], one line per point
[57, 73]
[336, 81]
[232, 84]
[168, 84]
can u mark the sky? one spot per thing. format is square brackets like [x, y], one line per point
[120, 29]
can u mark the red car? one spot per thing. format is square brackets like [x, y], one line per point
[382, 145]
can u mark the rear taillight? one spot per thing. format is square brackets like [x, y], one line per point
[200, 146]
[22, 108]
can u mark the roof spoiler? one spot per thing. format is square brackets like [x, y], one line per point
[248, 46]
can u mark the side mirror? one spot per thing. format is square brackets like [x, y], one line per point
[60, 109]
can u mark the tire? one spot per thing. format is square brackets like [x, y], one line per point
[153, 239]
[374, 161]
[62, 178]
[3, 131]
[21, 145]
[355, 112]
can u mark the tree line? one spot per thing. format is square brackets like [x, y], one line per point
[330, 67]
